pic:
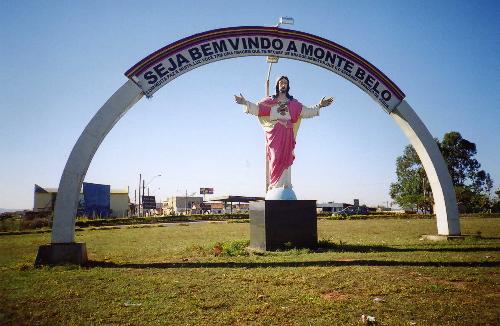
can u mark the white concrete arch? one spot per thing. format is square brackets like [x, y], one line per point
[166, 64]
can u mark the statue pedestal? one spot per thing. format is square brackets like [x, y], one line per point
[283, 224]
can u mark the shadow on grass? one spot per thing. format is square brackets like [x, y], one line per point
[326, 246]
[326, 263]
[323, 246]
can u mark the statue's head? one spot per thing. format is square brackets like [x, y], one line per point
[283, 86]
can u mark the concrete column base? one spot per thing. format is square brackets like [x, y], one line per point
[62, 253]
[438, 237]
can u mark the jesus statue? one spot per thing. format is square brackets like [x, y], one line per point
[280, 116]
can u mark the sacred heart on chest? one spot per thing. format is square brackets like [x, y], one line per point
[282, 109]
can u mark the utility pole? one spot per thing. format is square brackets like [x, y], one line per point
[143, 186]
[139, 207]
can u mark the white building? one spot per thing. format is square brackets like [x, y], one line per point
[330, 207]
[182, 205]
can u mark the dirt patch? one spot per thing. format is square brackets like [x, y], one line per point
[334, 296]
[456, 284]
[493, 295]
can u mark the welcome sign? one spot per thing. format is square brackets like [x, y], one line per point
[173, 60]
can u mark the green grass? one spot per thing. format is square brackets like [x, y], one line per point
[196, 274]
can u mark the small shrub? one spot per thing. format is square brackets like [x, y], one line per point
[217, 249]
[235, 248]
[24, 266]
[231, 248]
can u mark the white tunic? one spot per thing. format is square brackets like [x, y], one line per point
[268, 123]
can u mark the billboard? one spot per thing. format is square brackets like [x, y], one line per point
[96, 198]
[206, 191]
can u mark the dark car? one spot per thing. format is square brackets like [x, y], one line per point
[352, 210]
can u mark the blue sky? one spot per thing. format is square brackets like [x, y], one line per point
[62, 60]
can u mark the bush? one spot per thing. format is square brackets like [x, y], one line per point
[7, 215]
[9, 222]
[85, 222]
[381, 216]
[482, 215]
[30, 215]
[36, 223]
[219, 217]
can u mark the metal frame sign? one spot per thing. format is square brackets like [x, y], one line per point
[148, 202]
[173, 60]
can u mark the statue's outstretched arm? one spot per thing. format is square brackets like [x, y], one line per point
[326, 101]
[309, 112]
[240, 99]
[250, 107]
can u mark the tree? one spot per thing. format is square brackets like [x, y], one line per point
[412, 191]
[472, 185]
[458, 154]
[496, 202]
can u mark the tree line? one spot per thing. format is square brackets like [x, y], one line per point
[473, 186]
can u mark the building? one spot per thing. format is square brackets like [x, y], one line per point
[119, 202]
[219, 207]
[236, 204]
[330, 207]
[45, 199]
[182, 205]
[186, 205]
[241, 208]
[212, 208]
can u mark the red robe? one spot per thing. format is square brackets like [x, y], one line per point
[280, 140]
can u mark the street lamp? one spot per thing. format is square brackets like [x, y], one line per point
[285, 21]
[274, 59]
[147, 184]
[150, 180]
[141, 180]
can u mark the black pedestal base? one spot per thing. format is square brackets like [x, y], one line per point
[282, 224]
[62, 253]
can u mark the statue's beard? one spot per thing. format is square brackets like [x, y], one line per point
[283, 90]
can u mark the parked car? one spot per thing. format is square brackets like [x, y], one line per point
[352, 210]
